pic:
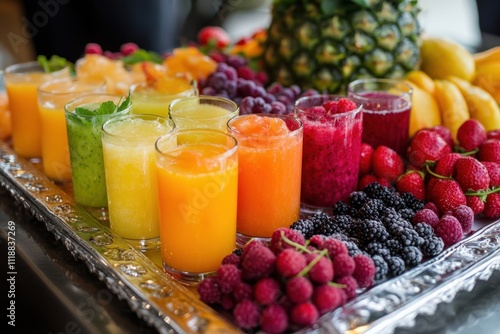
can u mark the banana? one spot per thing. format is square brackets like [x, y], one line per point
[487, 56]
[482, 106]
[424, 110]
[422, 80]
[452, 105]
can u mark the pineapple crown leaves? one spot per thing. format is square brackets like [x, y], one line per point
[331, 7]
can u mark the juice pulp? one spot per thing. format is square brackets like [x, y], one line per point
[129, 161]
[189, 113]
[269, 174]
[197, 208]
[330, 163]
[85, 148]
[386, 121]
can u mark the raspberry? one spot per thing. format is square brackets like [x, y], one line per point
[427, 216]
[229, 275]
[278, 244]
[322, 270]
[304, 314]
[274, 319]
[299, 289]
[475, 203]
[266, 291]
[449, 229]
[290, 262]
[346, 105]
[209, 291]
[93, 48]
[364, 272]
[242, 291]
[326, 298]
[465, 216]
[232, 258]
[317, 241]
[334, 246]
[128, 48]
[227, 302]
[331, 107]
[350, 284]
[246, 314]
[251, 244]
[433, 207]
[343, 265]
[258, 262]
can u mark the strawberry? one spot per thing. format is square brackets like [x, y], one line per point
[493, 134]
[471, 174]
[492, 206]
[489, 150]
[494, 173]
[426, 145]
[387, 163]
[366, 180]
[446, 164]
[365, 163]
[445, 193]
[476, 204]
[471, 134]
[412, 182]
[444, 133]
[384, 182]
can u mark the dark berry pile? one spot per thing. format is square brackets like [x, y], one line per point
[287, 284]
[378, 222]
[235, 79]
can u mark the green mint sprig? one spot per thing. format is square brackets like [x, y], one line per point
[55, 63]
[142, 55]
[105, 108]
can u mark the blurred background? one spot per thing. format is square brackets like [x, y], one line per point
[63, 27]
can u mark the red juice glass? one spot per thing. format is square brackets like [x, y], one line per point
[386, 111]
[331, 152]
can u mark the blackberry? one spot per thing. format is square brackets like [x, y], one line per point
[376, 248]
[432, 246]
[340, 236]
[368, 230]
[304, 226]
[388, 215]
[407, 214]
[381, 267]
[238, 251]
[342, 222]
[412, 202]
[396, 265]
[370, 209]
[352, 248]
[376, 190]
[411, 255]
[323, 224]
[424, 230]
[394, 246]
[408, 237]
[341, 208]
[394, 227]
[357, 199]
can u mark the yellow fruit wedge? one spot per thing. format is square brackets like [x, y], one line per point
[482, 106]
[422, 80]
[452, 105]
[424, 109]
[488, 78]
[487, 56]
[442, 58]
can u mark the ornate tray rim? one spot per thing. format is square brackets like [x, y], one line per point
[169, 306]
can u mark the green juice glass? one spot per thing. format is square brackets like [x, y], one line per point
[85, 148]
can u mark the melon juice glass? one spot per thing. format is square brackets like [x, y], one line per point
[197, 185]
[128, 144]
[386, 111]
[270, 159]
[52, 97]
[332, 144]
[84, 120]
[21, 82]
[207, 112]
[155, 100]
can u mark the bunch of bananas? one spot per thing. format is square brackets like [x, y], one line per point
[454, 85]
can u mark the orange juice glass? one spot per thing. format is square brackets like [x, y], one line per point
[52, 97]
[197, 187]
[270, 165]
[21, 82]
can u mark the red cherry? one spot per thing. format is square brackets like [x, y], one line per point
[93, 48]
[216, 34]
[128, 48]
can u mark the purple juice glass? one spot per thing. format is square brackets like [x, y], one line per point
[386, 111]
[331, 153]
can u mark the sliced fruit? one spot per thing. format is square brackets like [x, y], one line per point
[5, 117]
[424, 111]
[487, 56]
[422, 80]
[488, 78]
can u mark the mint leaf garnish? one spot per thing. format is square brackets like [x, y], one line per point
[142, 55]
[55, 63]
[125, 104]
[105, 108]
[84, 112]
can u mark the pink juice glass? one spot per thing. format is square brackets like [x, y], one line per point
[386, 111]
[331, 153]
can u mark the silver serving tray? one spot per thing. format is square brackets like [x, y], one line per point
[171, 307]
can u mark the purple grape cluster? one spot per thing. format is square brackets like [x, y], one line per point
[235, 80]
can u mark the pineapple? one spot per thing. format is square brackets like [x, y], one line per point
[325, 44]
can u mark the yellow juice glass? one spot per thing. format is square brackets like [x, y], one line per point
[197, 187]
[155, 100]
[203, 112]
[128, 144]
[52, 97]
[21, 82]
[270, 167]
